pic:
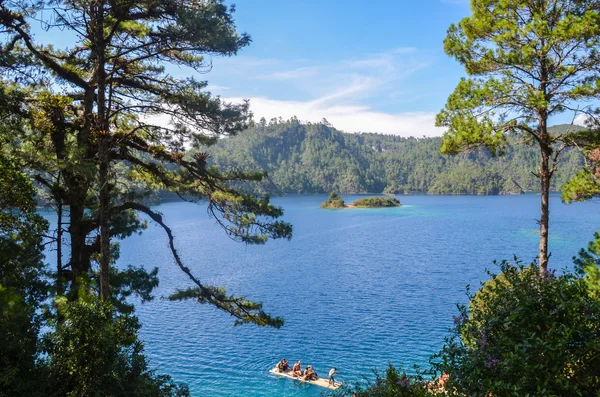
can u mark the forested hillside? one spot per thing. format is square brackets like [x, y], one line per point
[317, 158]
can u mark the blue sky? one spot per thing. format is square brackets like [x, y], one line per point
[364, 65]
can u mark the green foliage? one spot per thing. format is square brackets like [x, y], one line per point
[19, 372]
[334, 201]
[582, 187]
[132, 281]
[91, 350]
[81, 121]
[313, 158]
[525, 333]
[87, 129]
[394, 384]
[23, 286]
[535, 59]
[587, 264]
[585, 185]
[95, 352]
[21, 231]
[377, 202]
[243, 310]
[527, 61]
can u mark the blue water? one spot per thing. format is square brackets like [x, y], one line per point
[358, 288]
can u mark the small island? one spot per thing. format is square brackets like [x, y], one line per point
[334, 201]
[376, 202]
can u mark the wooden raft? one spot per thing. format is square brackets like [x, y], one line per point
[322, 382]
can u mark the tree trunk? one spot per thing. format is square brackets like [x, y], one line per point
[545, 176]
[78, 246]
[103, 155]
[104, 221]
[59, 233]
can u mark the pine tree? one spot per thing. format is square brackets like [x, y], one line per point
[527, 60]
[110, 98]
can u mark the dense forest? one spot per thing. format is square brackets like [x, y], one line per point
[317, 158]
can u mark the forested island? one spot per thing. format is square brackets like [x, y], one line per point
[376, 202]
[335, 201]
[307, 158]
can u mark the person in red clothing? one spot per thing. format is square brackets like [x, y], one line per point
[297, 369]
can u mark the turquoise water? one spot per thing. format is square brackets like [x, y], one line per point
[358, 288]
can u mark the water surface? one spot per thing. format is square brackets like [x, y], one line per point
[358, 288]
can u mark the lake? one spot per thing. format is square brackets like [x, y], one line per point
[358, 288]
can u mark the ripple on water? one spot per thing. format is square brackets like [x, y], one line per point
[358, 289]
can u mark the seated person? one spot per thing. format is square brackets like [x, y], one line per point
[283, 365]
[297, 369]
[309, 374]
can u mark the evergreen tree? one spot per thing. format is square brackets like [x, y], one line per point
[585, 185]
[528, 60]
[109, 98]
[95, 351]
[304, 158]
[22, 284]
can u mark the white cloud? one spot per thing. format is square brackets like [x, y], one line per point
[216, 89]
[580, 119]
[302, 72]
[306, 79]
[373, 93]
[347, 117]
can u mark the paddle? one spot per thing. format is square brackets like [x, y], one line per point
[343, 380]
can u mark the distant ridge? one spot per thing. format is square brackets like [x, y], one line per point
[564, 128]
[317, 158]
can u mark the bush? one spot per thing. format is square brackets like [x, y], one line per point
[377, 202]
[395, 383]
[96, 352]
[19, 374]
[525, 333]
[334, 201]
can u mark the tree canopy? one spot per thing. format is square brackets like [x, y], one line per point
[527, 61]
[333, 201]
[109, 98]
[93, 126]
[316, 158]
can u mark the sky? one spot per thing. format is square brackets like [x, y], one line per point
[365, 66]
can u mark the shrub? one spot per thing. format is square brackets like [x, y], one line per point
[96, 352]
[377, 202]
[395, 383]
[525, 333]
[334, 201]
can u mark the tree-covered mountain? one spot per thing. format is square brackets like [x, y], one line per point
[317, 158]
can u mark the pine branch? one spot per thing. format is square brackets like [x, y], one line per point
[243, 310]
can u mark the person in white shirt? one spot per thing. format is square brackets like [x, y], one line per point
[332, 372]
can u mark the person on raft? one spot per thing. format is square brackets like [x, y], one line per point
[309, 373]
[332, 372]
[297, 369]
[283, 365]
